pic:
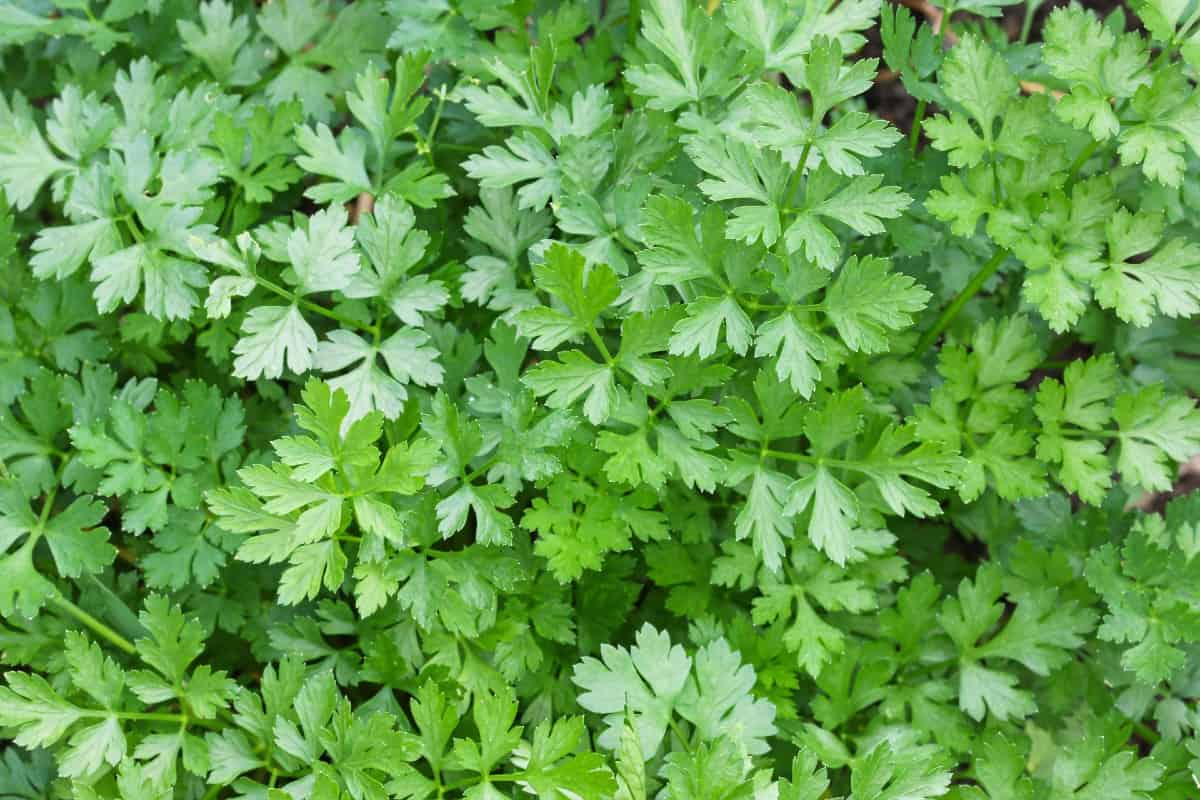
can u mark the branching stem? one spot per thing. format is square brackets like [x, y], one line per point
[308, 305]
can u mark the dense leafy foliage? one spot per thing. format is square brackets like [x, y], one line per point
[585, 400]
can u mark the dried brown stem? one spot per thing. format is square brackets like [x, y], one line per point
[365, 204]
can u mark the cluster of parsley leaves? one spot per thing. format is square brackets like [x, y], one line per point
[598, 400]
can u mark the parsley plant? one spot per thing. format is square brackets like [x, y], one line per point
[599, 400]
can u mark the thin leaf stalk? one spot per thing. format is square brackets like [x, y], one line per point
[970, 290]
[96, 626]
[914, 133]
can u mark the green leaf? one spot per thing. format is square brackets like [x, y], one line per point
[394, 247]
[494, 715]
[575, 377]
[257, 152]
[976, 79]
[631, 767]
[292, 24]
[526, 160]
[169, 282]
[913, 51]
[408, 357]
[718, 702]
[26, 777]
[1040, 635]
[1154, 431]
[584, 292]
[708, 772]
[491, 525]
[75, 544]
[26, 161]
[343, 159]
[1092, 769]
[60, 251]
[30, 705]
[799, 348]
[780, 36]
[700, 331]
[274, 336]
[859, 204]
[893, 773]
[866, 302]
[644, 681]
[217, 41]
[671, 27]
[830, 81]
[1166, 281]
[738, 172]
[297, 515]
[764, 518]
[322, 252]
[1167, 127]
[1097, 62]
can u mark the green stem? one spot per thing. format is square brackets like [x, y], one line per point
[944, 28]
[132, 227]
[316, 308]
[803, 458]
[1163, 55]
[507, 776]
[141, 716]
[469, 477]
[183, 720]
[48, 502]
[1027, 23]
[499, 778]
[633, 21]
[679, 733]
[227, 213]
[381, 166]
[1081, 159]
[97, 627]
[1073, 433]
[437, 118]
[308, 305]
[1148, 734]
[1185, 30]
[970, 290]
[754, 305]
[798, 175]
[377, 323]
[625, 241]
[603, 348]
[914, 135]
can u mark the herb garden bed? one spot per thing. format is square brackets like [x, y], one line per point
[740, 399]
